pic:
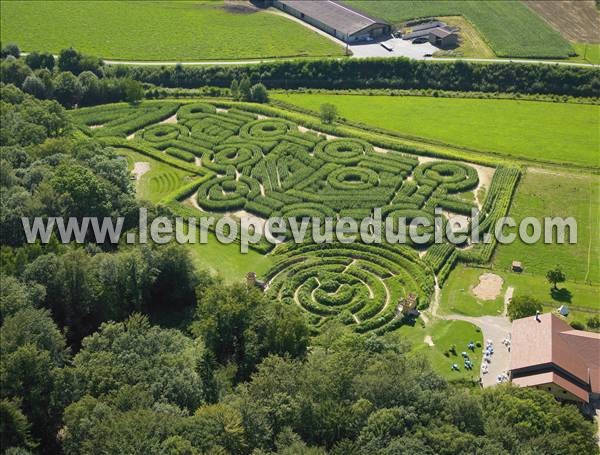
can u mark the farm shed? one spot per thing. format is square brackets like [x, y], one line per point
[336, 19]
[436, 32]
[443, 38]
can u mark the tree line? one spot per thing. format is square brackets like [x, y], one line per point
[73, 79]
[379, 73]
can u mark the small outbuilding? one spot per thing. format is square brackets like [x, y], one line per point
[436, 32]
[443, 38]
[563, 310]
[516, 266]
[253, 282]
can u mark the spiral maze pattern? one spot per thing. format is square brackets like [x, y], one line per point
[359, 285]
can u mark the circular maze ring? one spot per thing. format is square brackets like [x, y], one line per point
[195, 111]
[342, 151]
[353, 178]
[266, 129]
[164, 132]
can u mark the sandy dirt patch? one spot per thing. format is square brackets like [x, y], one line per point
[170, 120]
[428, 341]
[140, 168]
[489, 287]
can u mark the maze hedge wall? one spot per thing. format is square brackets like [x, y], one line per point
[269, 167]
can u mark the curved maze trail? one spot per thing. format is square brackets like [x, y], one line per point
[358, 284]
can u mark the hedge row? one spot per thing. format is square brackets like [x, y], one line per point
[396, 73]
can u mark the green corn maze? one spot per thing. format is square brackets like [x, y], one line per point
[266, 166]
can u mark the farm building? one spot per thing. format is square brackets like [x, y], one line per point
[436, 32]
[336, 19]
[548, 354]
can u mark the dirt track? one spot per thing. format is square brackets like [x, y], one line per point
[576, 20]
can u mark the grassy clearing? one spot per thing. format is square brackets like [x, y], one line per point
[443, 335]
[227, 261]
[559, 132]
[471, 43]
[457, 296]
[543, 194]
[159, 181]
[583, 300]
[158, 30]
[510, 28]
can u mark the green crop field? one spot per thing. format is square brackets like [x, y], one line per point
[559, 132]
[158, 30]
[587, 53]
[511, 29]
[231, 162]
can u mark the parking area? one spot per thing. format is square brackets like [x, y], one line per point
[399, 48]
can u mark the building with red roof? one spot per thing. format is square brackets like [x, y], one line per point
[549, 354]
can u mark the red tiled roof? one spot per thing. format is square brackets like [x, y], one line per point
[551, 341]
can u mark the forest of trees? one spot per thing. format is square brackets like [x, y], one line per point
[128, 349]
[71, 79]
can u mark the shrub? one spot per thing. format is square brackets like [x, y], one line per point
[577, 325]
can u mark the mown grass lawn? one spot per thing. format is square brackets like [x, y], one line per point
[545, 194]
[511, 29]
[458, 298]
[444, 334]
[227, 261]
[560, 132]
[159, 181]
[158, 30]
[582, 299]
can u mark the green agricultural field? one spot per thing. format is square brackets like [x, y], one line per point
[511, 29]
[159, 30]
[559, 132]
[542, 194]
[587, 53]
